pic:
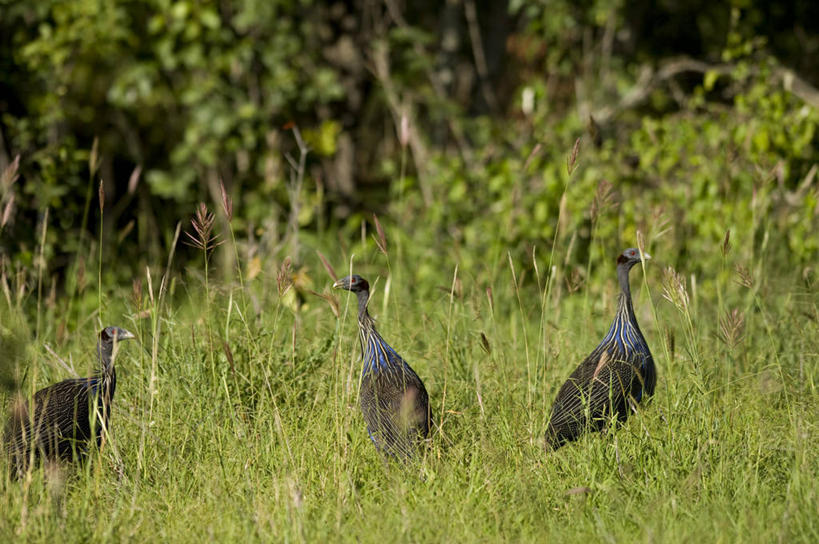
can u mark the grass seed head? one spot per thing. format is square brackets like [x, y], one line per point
[604, 197]
[94, 157]
[404, 132]
[136, 292]
[284, 280]
[732, 327]
[674, 289]
[202, 223]
[227, 202]
[10, 174]
[485, 344]
[744, 276]
[575, 280]
[8, 209]
[133, 181]
[726, 243]
[491, 299]
[571, 160]
[381, 239]
[641, 242]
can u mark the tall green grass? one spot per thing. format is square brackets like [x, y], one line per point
[236, 416]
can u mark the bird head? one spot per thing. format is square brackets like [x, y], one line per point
[354, 283]
[109, 335]
[630, 257]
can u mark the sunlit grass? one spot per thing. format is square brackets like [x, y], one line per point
[236, 417]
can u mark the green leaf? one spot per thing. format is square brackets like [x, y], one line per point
[709, 79]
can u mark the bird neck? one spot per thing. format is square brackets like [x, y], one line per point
[625, 310]
[374, 350]
[105, 353]
[363, 315]
[625, 307]
[624, 332]
[366, 325]
[622, 277]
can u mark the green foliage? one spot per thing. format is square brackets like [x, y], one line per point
[195, 92]
[14, 337]
[189, 90]
[683, 179]
[264, 440]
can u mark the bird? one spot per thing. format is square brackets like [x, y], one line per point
[618, 372]
[61, 426]
[393, 398]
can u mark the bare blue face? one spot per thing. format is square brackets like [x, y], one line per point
[353, 283]
[631, 256]
[109, 334]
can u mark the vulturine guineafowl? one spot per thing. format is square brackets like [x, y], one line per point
[61, 424]
[393, 399]
[620, 370]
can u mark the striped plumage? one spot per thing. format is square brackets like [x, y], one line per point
[61, 424]
[619, 370]
[393, 399]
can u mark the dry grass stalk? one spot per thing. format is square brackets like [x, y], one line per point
[7, 179]
[51, 300]
[659, 223]
[94, 157]
[571, 161]
[641, 243]
[327, 266]
[284, 280]
[150, 285]
[457, 289]
[4, 283]
[671, 339]
[10, 174]
[491, 299]
[331, 301]
[381, 239]
[133, 181]
[485, 344]
[404, 132]
[575, 280]
[227, 202]
[7, 211]
[604, 197]
[532, 155]
[229, 355]
[726, 243]
[136, 292]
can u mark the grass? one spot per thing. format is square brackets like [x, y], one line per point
[236, 416]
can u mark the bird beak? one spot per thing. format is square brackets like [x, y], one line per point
[337, 285]
[646, 256]
[125, 335]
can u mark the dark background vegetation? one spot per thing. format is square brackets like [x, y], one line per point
[688, 111]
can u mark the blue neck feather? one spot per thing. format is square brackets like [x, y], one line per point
[376, 353]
